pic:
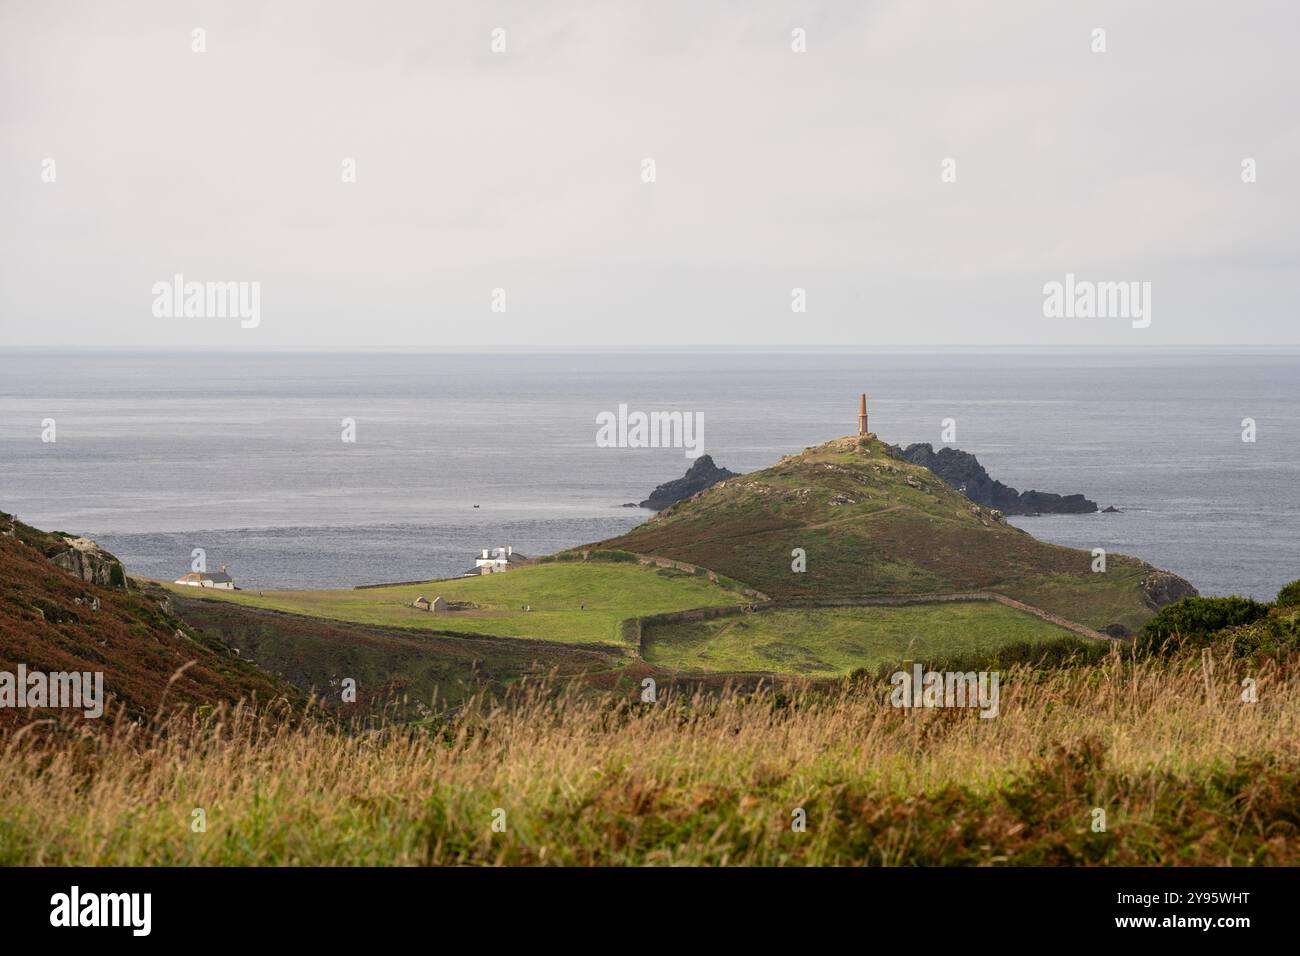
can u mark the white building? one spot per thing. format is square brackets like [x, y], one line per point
[493, 560]
[201, 579]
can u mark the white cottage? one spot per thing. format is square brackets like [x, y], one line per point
[201, 579]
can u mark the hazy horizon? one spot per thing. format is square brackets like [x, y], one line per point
[775, 349]
[380, 173]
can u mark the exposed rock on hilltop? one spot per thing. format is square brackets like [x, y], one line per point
[83, 557]
[701, 475]
[962, 470]
[90, 562]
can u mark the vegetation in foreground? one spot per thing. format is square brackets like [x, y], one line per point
[573, 603]
[1185, 771]
[835, 641]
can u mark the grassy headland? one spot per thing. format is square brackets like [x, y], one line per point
[871, 524]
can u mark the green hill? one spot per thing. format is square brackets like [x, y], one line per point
[871, 524]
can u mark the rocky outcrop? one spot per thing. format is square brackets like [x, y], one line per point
[702, 474]
[1162, 587]
[90, 562]
[961, 470]
[81, 556]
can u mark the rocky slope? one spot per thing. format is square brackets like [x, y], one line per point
[961, 470]
[59, 619]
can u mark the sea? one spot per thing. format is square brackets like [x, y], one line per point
[243, 455]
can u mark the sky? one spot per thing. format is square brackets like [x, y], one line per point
[127, 158]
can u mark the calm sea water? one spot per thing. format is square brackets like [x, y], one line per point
[242, 454]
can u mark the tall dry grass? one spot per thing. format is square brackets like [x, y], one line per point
[1185, 771]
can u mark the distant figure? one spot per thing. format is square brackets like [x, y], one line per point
[476, 506]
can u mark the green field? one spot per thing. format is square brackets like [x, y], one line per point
[557, 593]
[824, 642]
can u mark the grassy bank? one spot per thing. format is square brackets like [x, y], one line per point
[827, 642]
[1186, 772]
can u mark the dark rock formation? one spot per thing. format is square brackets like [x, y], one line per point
[702, 474]
[961, 470]
[1111, 510]
[1161, 587]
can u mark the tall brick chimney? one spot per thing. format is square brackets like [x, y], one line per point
[862, 414]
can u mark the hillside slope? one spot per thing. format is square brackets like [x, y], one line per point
[51, 620]
[388, 664]
[872, 524]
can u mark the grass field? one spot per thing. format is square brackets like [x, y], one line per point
[827, 642]
[557, 593]
[1185, 772]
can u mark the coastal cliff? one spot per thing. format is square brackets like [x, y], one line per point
[961, 470]
[701, 475]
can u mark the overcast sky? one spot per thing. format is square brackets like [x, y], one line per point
[522, 170]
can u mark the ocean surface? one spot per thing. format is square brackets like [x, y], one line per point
[241, 454]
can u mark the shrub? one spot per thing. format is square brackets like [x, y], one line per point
[562, 556]
[1062, 652]
[1289, 596]
[1269, 635]
[604, 555]
[1193, 620]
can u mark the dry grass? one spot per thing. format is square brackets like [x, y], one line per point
[1185, 771]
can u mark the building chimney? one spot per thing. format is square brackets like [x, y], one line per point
[862, 414]
[510, 549]
[485, 550]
